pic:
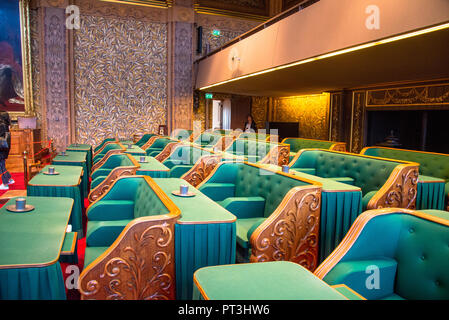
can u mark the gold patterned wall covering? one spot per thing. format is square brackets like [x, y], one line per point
[259, 108]
[312, 113]
[120, 77]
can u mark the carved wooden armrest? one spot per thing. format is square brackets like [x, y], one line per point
[169, 148]
[201, 170]
[139, 265]
[291, 232]
[106, 184]
[101, 149]
[150, 142]
[105, 158]
[224, 143]
[279, 155]
[339, 146]
[399, 191]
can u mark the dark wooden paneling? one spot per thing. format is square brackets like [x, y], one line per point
[240, 108]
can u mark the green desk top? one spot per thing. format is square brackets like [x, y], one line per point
[194, 210]
[79, 146]
[280, 280]
[151, 165]
[35, 238]
[427, 179]
[71, 156]
[135, 150]
[68, 176]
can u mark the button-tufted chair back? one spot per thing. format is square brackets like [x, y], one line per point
[207, 139]
[256, 182]
[297, 144]
[146, 202]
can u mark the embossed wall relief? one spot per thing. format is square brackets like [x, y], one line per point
[56, 104]
[35, 37]
[259, 108]
[120, 77]
[358, 121]
[312, 113]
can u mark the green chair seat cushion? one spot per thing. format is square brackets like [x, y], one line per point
[218, 191]
[244, 229]
[366, 198]
[93, 253]
[104, 233]
[109, 210]
[347, 180]
[244, 207]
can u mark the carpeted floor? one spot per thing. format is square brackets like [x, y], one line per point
[71, 294]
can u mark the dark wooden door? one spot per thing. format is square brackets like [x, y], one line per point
[240, 108]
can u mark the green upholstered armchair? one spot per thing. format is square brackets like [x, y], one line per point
[207, 140]
[157, 145]
[259, 136]
[130, 251]
[257, 151]
[277, 214]
[182, 135]
[297, 144]
[144, 139]
[431, 164]
[384, 182]
[183, 157]
[393, 253]
[108, 149]
[110, 169]
[103, 143]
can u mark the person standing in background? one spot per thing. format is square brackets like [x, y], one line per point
[250, 125]
[5, 146]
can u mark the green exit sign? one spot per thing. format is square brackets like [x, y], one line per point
[209, 95]
[216, 32]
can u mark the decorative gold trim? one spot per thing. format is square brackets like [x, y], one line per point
[201, 170]
[150, 142]
[167, 151]
[426, 152]
[357, 228]
[291, 232]
[144, 3]
[104, 145]
[100, 162]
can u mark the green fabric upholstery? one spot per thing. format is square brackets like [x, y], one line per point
[182, 159]
[128, 198]
[158, 146]
[430, 165]
[144, 139]
[297, 144]
[182, 134]
[114, 161]
[418, 247]
[347, 180]
[111, 146]
[103, 143]
[243, 228]
[311, 171]
[256, 193]
[255, 150]
[368, 174]
[70, 239]
[207, 140]
[92, 253]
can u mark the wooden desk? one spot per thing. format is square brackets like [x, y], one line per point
[23, 140]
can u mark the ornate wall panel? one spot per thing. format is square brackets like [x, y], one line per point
[312, 113]
[36, 42]
[249, 7]
[120, 77]
[259, 108]
[56, 103]
[358, 121]
[427, 95]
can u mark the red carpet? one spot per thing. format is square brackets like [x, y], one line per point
[71, 294]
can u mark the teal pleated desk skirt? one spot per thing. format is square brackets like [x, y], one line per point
[31, 246]
[430, 193]
[74, 158]
[87, 148]
[151, 167]
[205, 235]
[341, 204]
[66, 185]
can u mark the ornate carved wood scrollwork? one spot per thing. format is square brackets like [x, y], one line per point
[399, 191]
[224, 143]
[201, 170]
[164, 154]
[339, 146]
[291, 233]
[279, 155]
[138, 266]
[104, 186]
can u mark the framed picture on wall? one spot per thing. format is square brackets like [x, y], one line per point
[16, 95]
